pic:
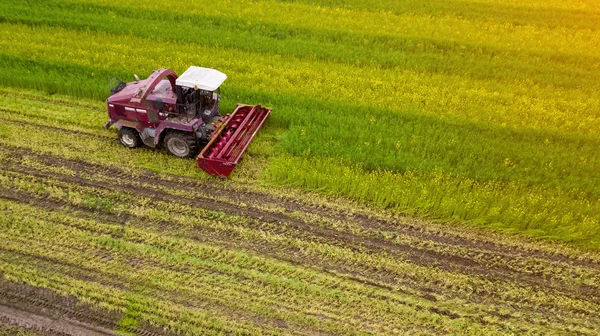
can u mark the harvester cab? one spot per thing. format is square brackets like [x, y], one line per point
[197, 91]
[181, 113]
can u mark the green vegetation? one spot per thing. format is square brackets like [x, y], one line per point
[432, 109]
[475, 113]
[15, 331]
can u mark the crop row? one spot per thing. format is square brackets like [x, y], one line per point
[365, 50]
[439, 27]
[516, 103]
[552, 14]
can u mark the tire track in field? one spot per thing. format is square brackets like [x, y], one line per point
[434, 310]
[48, 326]
[39, 304]
[190, 300]
[229, 209]
[504, 316]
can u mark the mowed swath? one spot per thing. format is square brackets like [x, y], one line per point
[182, 255]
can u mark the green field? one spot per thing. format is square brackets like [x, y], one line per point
[429, 167]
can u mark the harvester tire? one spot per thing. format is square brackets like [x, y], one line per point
[129, 137]
[181, 144]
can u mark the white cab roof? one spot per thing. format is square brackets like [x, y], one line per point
[201, 78]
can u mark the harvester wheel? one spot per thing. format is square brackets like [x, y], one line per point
[129, 137]
[181, 144]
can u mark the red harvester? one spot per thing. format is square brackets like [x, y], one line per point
[182, 114]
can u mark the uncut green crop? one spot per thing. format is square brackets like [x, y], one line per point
[484, 113]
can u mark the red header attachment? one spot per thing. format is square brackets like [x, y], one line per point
[230, 140]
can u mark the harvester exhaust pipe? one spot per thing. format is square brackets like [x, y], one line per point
[231, 139]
